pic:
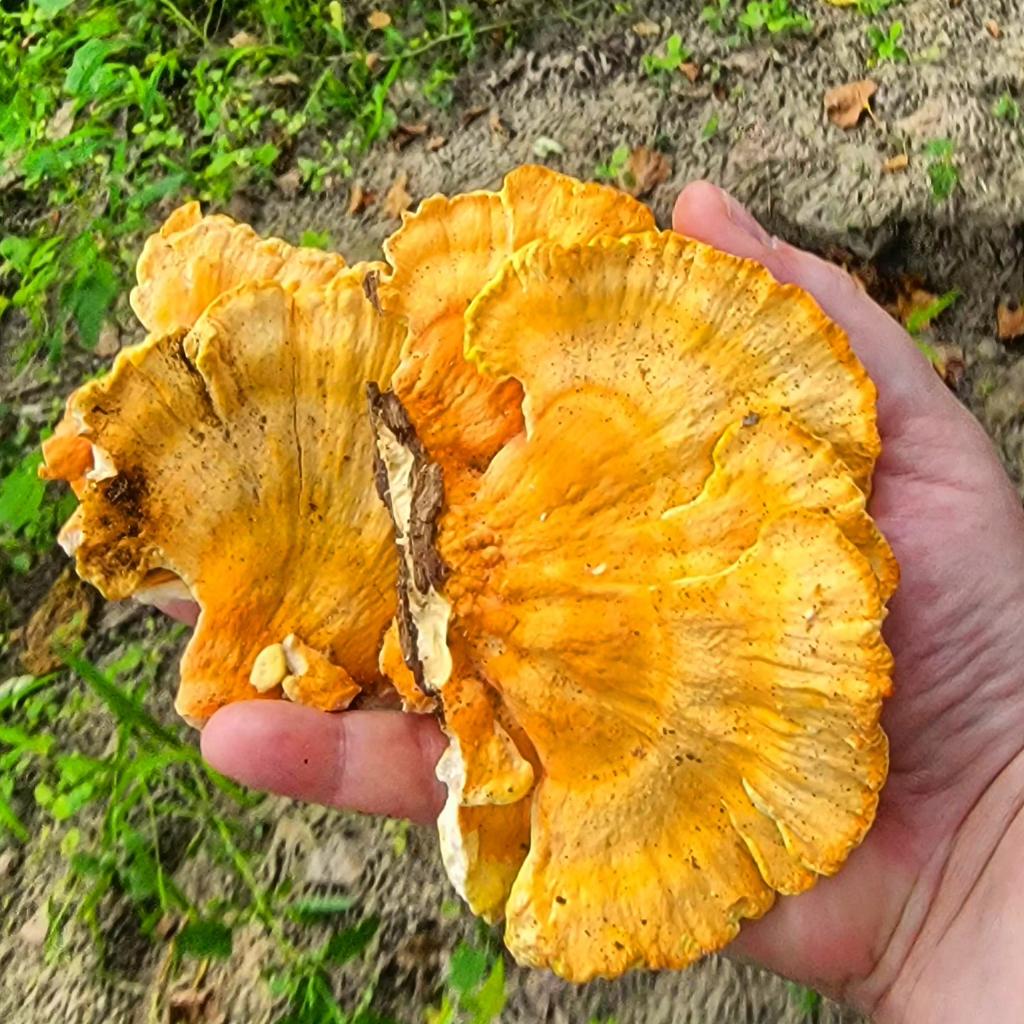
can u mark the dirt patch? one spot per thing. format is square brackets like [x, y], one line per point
[575, 99]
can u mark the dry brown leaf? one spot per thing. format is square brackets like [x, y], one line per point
[371, 60]
[469, 116]
[290, 182]
[1010, 321]
[407, 131]
[379, 19]
[189, 1006]
[109, 342]
[62, 121]
[359, 199]
[844, 104]
[993, 29]
[896, 163]
[398, 200]
[498, 127]
[950, 365]
[435, 142]
[646, 169]
[59, 620]
[691, 70]
[912, 298]
[242, 39]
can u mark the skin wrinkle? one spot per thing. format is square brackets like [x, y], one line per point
[892, 1001]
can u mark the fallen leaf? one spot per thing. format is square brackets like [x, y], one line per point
[109, 341]
[646, 28]
[359, 199]
[498, 127]
[645, 170]
[59, 620]
[242, 39]
[398, 200]
[62, 121]
[379, 19]
[844, 104]
[916, 307]
[993, 29]
[469, 116]
[896, 163]
[1010, 321]
[691, 70]
[406, 132]
[286, 78]
[33, 931]
[371, 60]
[949, 364]
[289, 183]
[435, 142]
[189, 1006]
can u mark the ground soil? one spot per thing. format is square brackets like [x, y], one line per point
[810, 182]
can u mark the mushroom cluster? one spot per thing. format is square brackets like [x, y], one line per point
[623, 551]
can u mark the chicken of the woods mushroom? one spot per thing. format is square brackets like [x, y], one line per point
[623, 551]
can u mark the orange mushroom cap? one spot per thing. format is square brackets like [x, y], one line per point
[668, 594]
[238, 456]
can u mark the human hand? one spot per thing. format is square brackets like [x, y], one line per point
[923, 921]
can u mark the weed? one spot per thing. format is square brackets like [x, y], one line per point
[773, 16]
[942, 172]
[29, 516]
[661, 66]
[886, 46]
[872, 8]
[475, 989]
[109, 110]
[160, 806]
[614, 166]
[718, 16]
[807, 1001]
[921, 319]
[1006, 108]
[710, 128]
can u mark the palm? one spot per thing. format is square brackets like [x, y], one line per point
[946, 506]
[957, 528]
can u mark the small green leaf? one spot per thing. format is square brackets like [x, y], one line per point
[315, 239]
[85, 77]
[922, 318]
[10, 821]
[90, 300]
[21, 494]
[306, 911]
[347, 945]
[204, 939]
[490, 1000]
[48, 8]
[467, 969]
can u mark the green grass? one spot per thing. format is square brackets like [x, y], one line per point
[739, 23]
[130, 818]
[943, 175]
[662, 65]
[110, 109]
